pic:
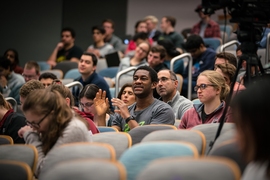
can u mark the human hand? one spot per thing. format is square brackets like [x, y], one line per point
[122, 108]
[23, 130]
[101, 103]
[3, 81]
[60, 45]
[52, 63]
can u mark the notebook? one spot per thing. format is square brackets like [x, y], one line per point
[112, 59]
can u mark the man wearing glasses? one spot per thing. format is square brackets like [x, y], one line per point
[203, 59]
[167, 89]
[31, 71]
[8, 79]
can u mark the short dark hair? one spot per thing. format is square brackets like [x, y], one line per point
[171, 19]
[227, 56]
[94, 57]
[47, 75]
[5, 63]
[99, 28]
[140, 35]
[239, 48]
[108, 21]
[72, 32]
[159, 49]
[193, 42]
[152, 72]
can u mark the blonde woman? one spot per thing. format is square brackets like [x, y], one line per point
[212, 90]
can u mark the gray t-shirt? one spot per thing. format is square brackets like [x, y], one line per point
[157, 113]
[106, 49]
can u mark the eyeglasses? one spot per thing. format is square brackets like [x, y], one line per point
[88, 104]
[143, 50]
[37, 125]
[164, 79]
[202, 86]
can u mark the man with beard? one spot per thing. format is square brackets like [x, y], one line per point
[66, 49]
[146, 110]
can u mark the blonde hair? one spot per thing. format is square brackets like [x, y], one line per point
[152, 18]
[218, 81]
[4, 103]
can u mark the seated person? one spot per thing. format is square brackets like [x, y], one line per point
[8, 78]
[66, 49]
[13, 56]
[203, 59]
[226, 57]
[10, 121]
[212, 91]
[156, 57]
[99, 48]
[126, 94]
[172, 52]
[206, 28]
[146, 110]
[47, 78]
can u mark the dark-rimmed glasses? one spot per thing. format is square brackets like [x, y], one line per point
[36, 125]
[88, 104]
[202, 86]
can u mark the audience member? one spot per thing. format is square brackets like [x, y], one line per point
[152, 22]
[251, 116]
[212, 91]
[226, 57]
[140, 27]
[146, 110]
[13, 56]
[172, 52]
[31, 71]
[66, 49]
[266, 31]
[10, 121]
[167, 89]
[168, 32]
[203, 59]
[156, 57]
[47, 78]
[27, 88]
[99, 48]
[57, 126]
[8, 78]
[66, 94]
[111, 38]
[86, 99]
[87, 68]
[126, 94]
[206, 27]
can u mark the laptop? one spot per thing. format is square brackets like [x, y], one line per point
[112, 59]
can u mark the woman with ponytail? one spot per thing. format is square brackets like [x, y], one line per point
[212, 91]
[51, 123]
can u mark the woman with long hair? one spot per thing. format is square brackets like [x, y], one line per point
[126, 94]
[10, 121]
[212, 91]
[51, 123]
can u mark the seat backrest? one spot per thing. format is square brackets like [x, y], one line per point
[5, 139]
[138, 133]
[121, 141]
[79, 150]
[43, 65]
[230, 149]
[136, 158]
[13, 103]
[226, 28]
[57, 72]
[192, 136]
[108, 72]
[20, 152]
[212, 42]
[72, 74]
[210, 130]
[15, 170]
[85, 169]
[103, 129]
[180, 82]
[205, 168]
[65, 66]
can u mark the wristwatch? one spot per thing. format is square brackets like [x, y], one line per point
[130, 118]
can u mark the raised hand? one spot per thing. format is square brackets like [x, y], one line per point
[101, 103]
[122, 108]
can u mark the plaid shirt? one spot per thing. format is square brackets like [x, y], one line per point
[212, 29]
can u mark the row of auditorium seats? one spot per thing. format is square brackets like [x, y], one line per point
[138, 155]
